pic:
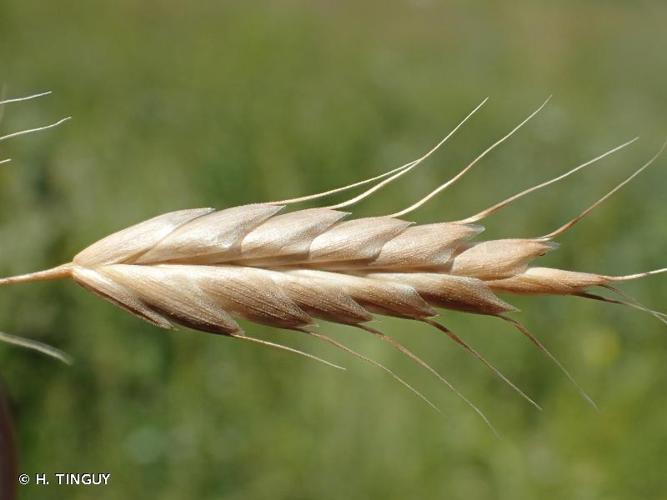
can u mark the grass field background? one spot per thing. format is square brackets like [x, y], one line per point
[179, 105]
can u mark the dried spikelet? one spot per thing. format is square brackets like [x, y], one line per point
[426, 246]
[459, 293]
[203, 268]
[136, 240]
[497, 259]
[547, 281]
[390, 299]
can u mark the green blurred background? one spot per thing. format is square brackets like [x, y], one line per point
[215, 103]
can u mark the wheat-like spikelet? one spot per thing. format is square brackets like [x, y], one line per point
[202, 268]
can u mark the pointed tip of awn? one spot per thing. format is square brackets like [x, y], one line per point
[347, 349]
[480, 357]
[36, 129]
[409, 166]
[521, 328]
[35, 345]
[274, 345]
[470, 165]
[562, 229]
[26, 98]
[416, 359]
[629, 302]
[499, 206]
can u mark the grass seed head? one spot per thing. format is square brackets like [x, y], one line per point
[204, 268]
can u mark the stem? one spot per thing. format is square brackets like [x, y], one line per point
[8, 453]
[56, 273]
